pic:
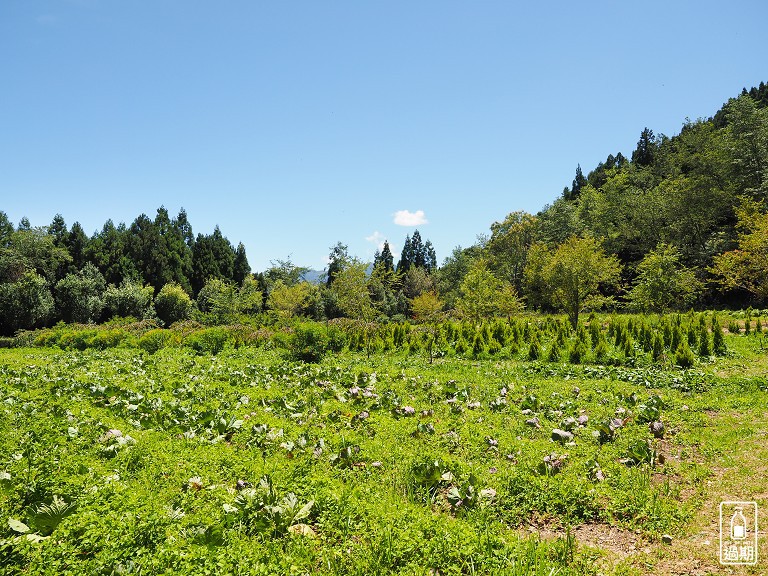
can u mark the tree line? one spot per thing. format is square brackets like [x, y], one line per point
[157, 268]
[680, 222]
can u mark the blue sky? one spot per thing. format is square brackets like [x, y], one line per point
[294, 125]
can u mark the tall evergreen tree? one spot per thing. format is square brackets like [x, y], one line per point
[337, 261]
[58, 229]
[179, 252]
[204, 264]
[143, 240]
[159, 251]
[212, 257]
[77, 244]
[185, 228]
[406, 256]
[6, 230]
[224, 253]
[387, 260]
[430, 258]
[109, 251]
[417, 250]
[579, 181]
[645, 153]
[416, 254]
[241, 267]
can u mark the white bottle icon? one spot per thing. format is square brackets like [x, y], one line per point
[738, 525]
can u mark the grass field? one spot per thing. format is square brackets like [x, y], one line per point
[120, 461]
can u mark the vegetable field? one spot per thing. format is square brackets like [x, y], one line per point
[380, 460]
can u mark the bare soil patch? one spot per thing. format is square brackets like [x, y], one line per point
[697, 552]
[614, 542]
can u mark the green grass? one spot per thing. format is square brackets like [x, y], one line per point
[448, 487]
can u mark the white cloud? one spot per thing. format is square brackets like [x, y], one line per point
[376, 238]
[408, 218]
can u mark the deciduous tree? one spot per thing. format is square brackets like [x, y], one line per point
[80, 296]
[747, 266]
[483, 295]
[24, 303]
[289, 300]
[130, 299]
[663, 283]
[576, 272]
[172, 304]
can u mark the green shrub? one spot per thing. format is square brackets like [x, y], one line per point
[692, 337]
[76, 339]
[337, 339]
[478, 345]
[129, 299]
[155, 339]
[208, 341]
[683, 356]
[578, 353]
[309, 343]
[705, 346]
[602, 351]
[718, 341]
[534, 350]
[657, 348]
[554, 352]
[172, 304]
[46, 338]
[80, 297]
[26, 303]
[108, 338]
[494, 347]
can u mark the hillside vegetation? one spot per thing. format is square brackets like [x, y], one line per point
[680, 222]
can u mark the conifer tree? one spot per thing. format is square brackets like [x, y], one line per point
[184, 227]
[417, 250]
[338, 260]
[718, 341]
[224, 253]
[109, 251]
[204, 264]
[579, 182]
[241, 268]
[6, 230]
[705, 347]
[76, 244]
[386, 258]
[58, 229]
[430, 258]
[645, 153]
[406, 256]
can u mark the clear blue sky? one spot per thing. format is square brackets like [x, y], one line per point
[296, 124]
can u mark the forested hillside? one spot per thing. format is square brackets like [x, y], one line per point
[684, 216]
[679, 222]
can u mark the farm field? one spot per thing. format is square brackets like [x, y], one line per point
[121, 461]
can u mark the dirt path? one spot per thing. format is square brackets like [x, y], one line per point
[740, 473]
[732, 448]
[743, 476]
